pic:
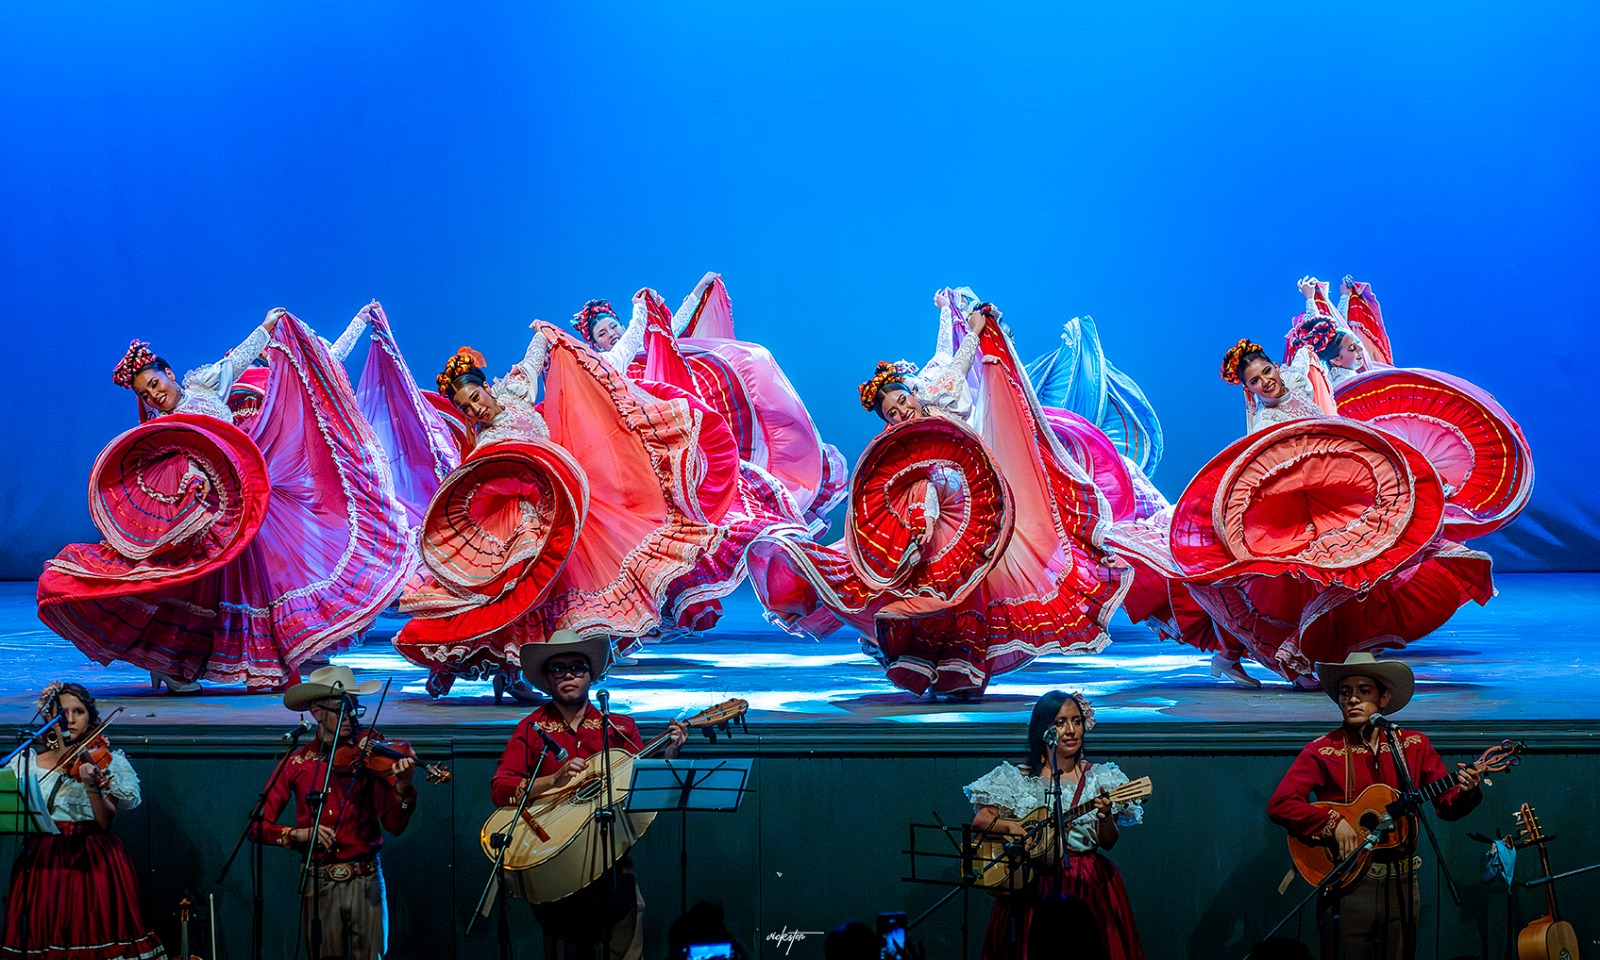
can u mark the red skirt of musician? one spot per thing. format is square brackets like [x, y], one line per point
[1035, 918]
[235, 555]
[963, 558]
[75, 897]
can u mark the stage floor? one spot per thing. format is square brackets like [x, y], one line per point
[1528, 656]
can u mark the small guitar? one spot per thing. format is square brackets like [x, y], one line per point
[1549, 937]
[991, 867]
[1316, 860]
[551, 821]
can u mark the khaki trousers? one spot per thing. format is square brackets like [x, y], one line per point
[355, 918]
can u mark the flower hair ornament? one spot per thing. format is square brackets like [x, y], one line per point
[50, 699]
[466, 363]
[138, 357]
[887, 374]
[1085, 707]
[583, 320]
[1237, 352]
[1314, 331]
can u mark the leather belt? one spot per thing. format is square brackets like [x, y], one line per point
[348, 870]
[1400, 868]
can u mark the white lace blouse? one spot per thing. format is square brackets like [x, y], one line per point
[1017, 795]
[942, 382]
[68, 798]
[624, 350]
[205, 389]
[517, 393]
[1299, 403]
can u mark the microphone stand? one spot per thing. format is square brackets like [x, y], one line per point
[606, 816]
[25, 751]
[319, 801]
[1340, 870]
[502, 843]
[254, 821]
[1415, 802]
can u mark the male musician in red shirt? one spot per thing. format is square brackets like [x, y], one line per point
[565, 666]
[347, 893]
[1377, 918]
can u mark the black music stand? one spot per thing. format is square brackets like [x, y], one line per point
[703, 786]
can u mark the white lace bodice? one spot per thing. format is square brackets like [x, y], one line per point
[1299, 403]
[942, 382]
[517, 393]
[70, 800]
[205, 389]
[1017, 795]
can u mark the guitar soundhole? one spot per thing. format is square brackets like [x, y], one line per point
[587, 792]
[1369, 821]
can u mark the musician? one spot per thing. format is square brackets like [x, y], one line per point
[1005, 795]
[75, 894]
[1377, 919]
[342, 911]
[606, 919]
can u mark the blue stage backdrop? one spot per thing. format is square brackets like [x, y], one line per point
[169, 171]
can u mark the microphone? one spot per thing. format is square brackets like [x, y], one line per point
[556, 749]
[303, 727]
[1382, 722]
[604, 697]
[1051, 736]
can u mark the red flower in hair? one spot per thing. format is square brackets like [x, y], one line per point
[138, 357]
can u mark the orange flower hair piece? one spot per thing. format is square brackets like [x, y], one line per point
[887, 374]
[466, 361]
[138, 357]
[1230, 360]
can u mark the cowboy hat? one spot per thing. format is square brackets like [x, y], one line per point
[597, 650]
[327, 682]
[1395, 676]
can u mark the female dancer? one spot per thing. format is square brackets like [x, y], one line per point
[964, 557]
[1312, 537]
[1009, 794]
[578, 517]
[233, 554]
[74, 894]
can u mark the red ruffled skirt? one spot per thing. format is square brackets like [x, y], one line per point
[76, 897]
[1089, 877]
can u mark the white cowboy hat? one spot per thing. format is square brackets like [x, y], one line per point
[597, 650]
[327, 682]
[1395, 676]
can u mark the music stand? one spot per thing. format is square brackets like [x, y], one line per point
[22, 809]
[704, 786]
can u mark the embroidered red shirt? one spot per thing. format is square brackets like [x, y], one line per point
[358, 809]
[1338, 766]
[581, 743]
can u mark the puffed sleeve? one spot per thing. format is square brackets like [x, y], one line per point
[1000, 787]
[124, 782]
[1108, 777]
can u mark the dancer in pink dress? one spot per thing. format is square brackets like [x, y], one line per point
[967, 553]
[576, 513]
[233, 554]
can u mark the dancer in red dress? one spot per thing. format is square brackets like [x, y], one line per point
[75, 894]
[233, 554]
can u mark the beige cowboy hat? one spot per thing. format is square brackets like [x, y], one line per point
[327, 682]
[1395, 676]
[597, 650]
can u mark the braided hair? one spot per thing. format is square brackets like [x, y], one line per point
[583, 320]
[888, 376]
[138, 358]
[1319, 333]
[1238, 356]
[466, 365]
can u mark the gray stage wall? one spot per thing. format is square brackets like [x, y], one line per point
[820, 841]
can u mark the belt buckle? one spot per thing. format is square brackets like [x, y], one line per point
[340, 872]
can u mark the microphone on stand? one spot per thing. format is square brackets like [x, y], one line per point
[556, 749]
[303, 727]
[604, 696]
[1051, 736]
[1382, 722]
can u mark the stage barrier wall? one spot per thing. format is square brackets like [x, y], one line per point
[821, 840]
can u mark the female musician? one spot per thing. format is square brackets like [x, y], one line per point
[1005, 795]
[74, 894]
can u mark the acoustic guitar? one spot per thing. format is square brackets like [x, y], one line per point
[552, 821]
[1549, 937]
[990, 866]
[1316, 860]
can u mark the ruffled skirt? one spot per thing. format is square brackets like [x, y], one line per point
[1017, 920]
[75, 897]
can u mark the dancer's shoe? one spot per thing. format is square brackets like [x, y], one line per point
[182, 688]
[1225, 666]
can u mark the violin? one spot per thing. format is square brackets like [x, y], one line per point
[92, 748]
[373, 753]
